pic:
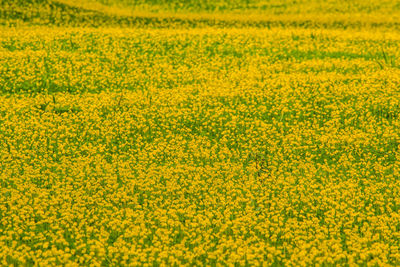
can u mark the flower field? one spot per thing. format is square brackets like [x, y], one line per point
[200, 133]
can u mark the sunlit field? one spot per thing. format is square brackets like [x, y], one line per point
[200, 133]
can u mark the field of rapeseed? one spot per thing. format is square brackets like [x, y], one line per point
[221, 133]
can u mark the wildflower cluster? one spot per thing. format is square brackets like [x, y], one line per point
[201, 13]
[199, 146]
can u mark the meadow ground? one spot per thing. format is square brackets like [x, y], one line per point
[221, 133]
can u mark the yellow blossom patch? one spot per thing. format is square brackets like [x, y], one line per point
[195, 135]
